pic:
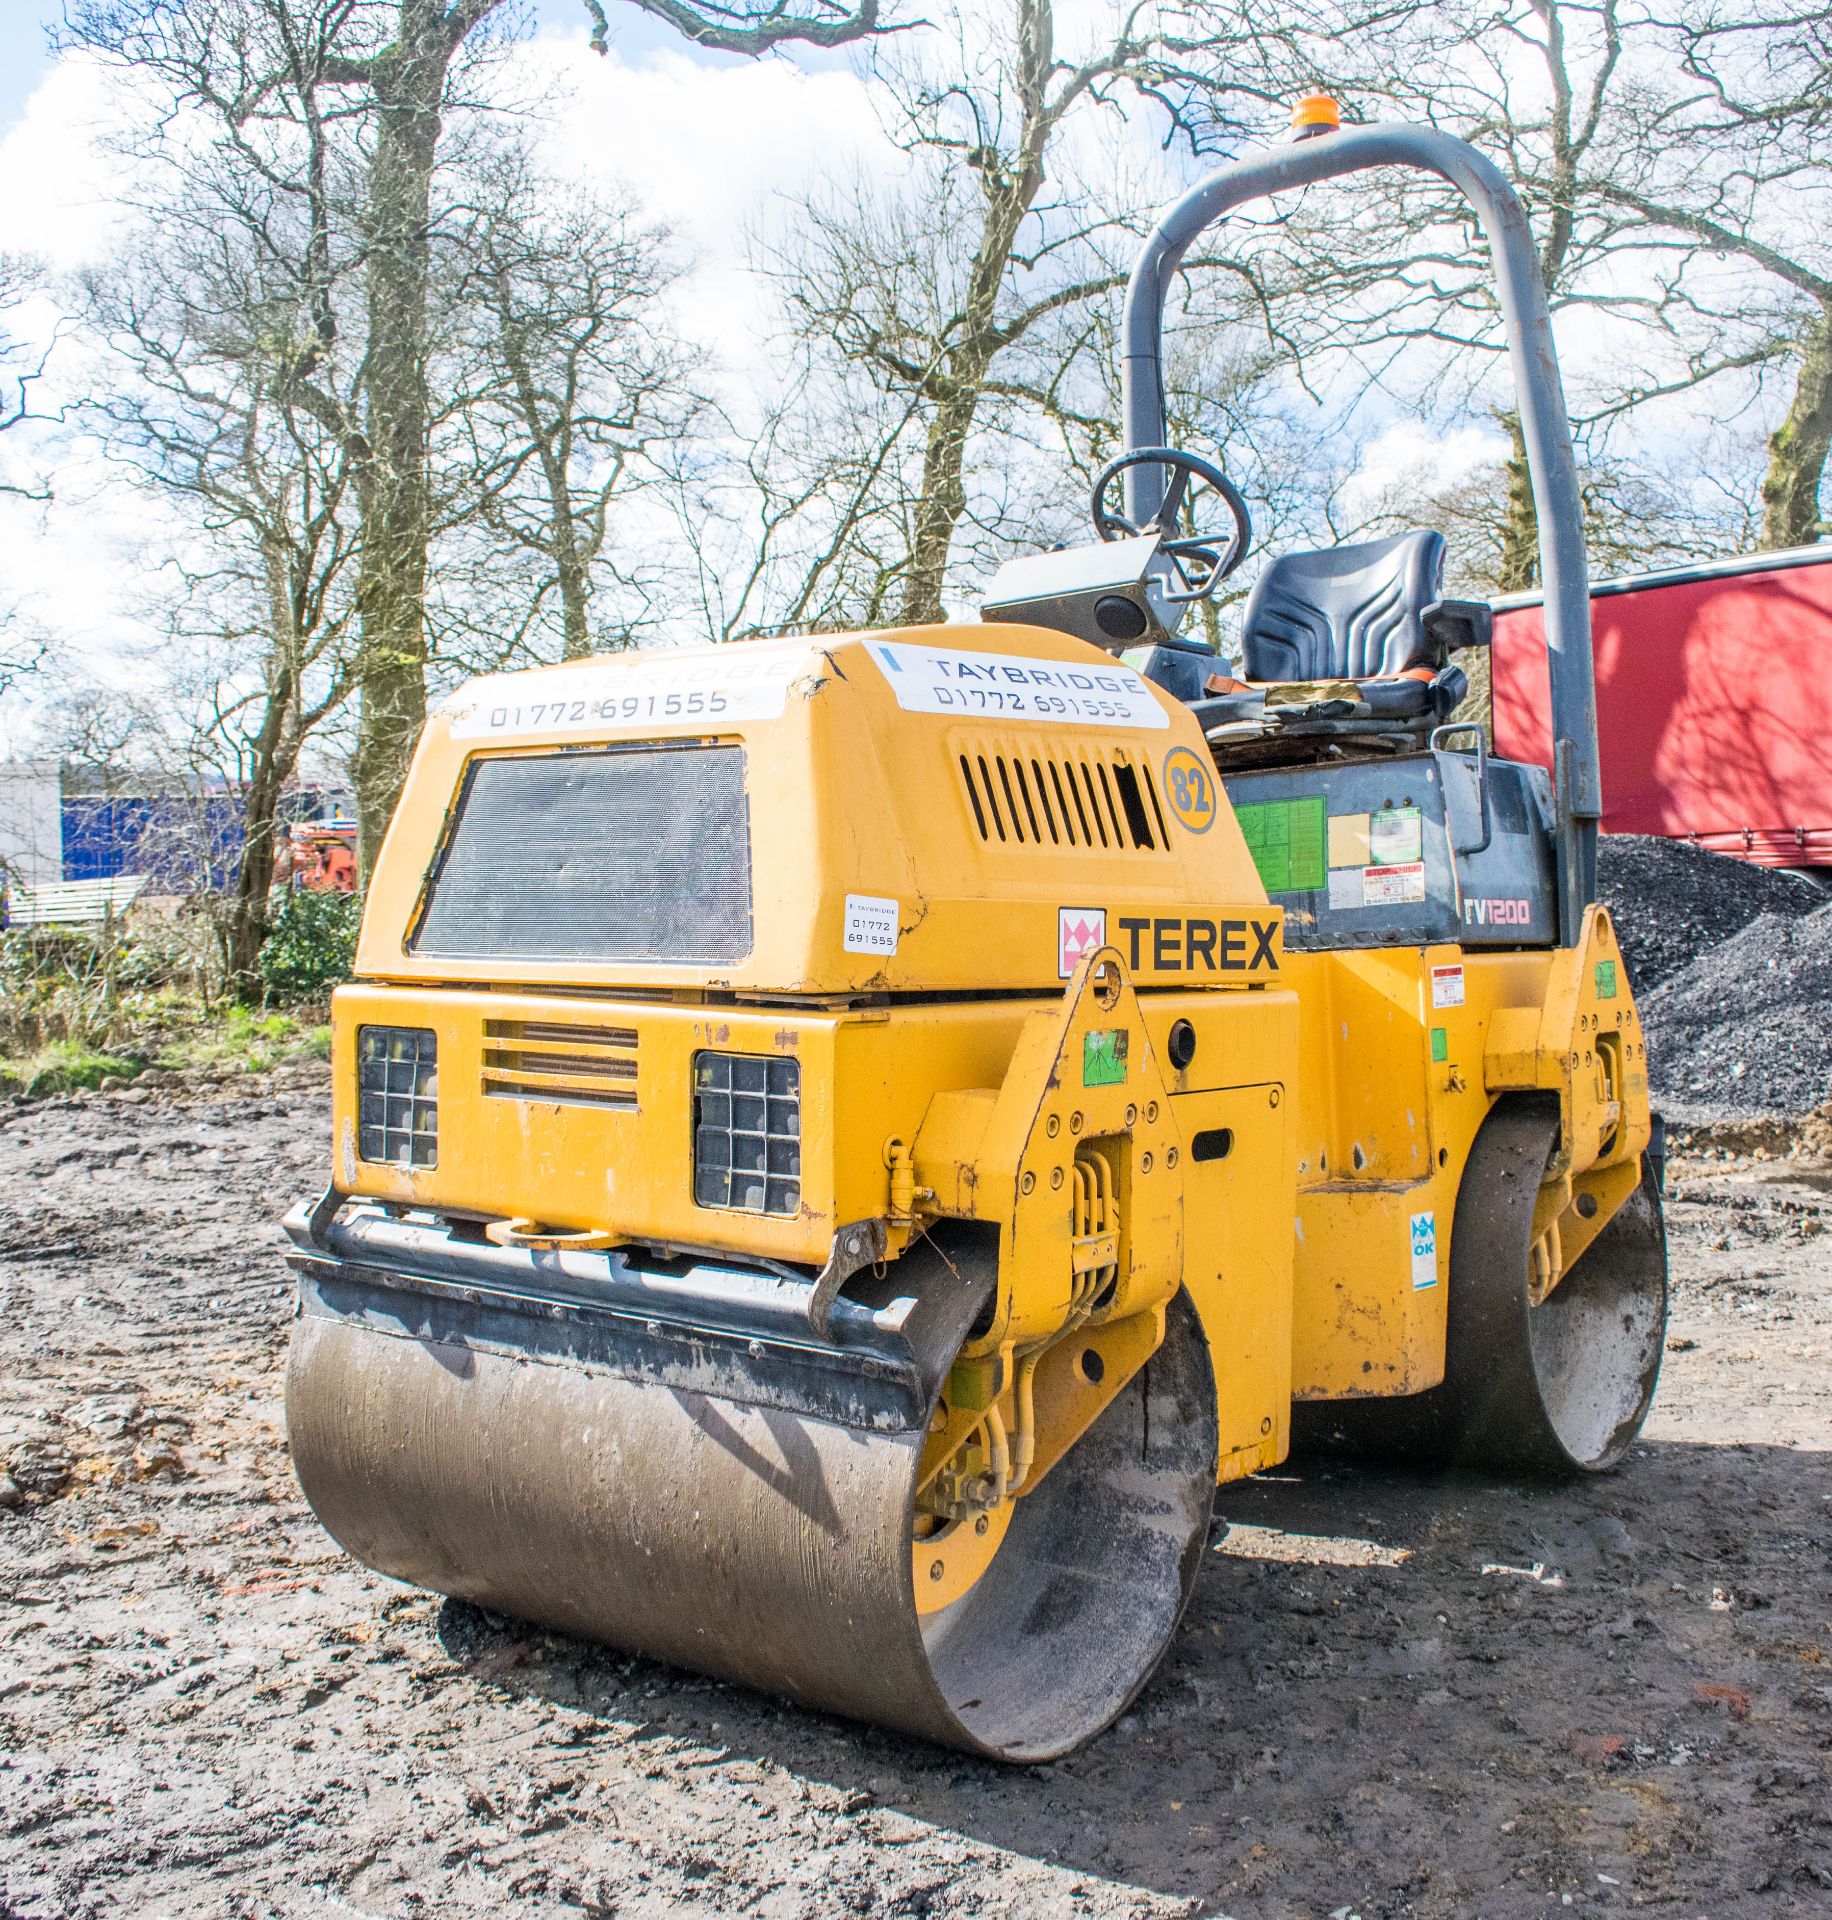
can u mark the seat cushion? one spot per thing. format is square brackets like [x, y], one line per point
[1345, 613]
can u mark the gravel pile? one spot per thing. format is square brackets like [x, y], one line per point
[1747, 1027]
[1673, 902]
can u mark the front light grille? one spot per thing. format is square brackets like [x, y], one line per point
[747, 1133]
[397, 1096]
[563, 1062]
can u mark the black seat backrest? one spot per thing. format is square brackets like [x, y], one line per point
[1345, 613]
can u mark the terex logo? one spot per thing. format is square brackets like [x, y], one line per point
[1194, 946]
[1498, 913]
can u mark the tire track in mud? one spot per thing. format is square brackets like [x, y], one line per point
[1390, 1696]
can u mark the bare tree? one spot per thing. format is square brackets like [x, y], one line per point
[966, 298]
[282, 82]
[1734, 160]
[581, 384]
[21, 366]
[202, 316]
[1389, 275]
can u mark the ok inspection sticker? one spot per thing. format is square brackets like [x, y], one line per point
[1424, 1251]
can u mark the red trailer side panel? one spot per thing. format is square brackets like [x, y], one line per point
[1714, 703]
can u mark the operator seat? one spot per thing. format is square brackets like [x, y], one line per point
[1358, 635]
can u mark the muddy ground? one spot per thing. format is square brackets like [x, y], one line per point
[1391, 1696]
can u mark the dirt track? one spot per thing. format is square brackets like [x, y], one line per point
[1389, 1697]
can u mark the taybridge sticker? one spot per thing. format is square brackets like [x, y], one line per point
[639, 690]
[1079, 930]
[1424, 1251]
[1447, 986]
[871, 924]
[1189, 781]
[1006, 686]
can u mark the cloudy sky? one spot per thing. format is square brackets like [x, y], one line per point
[703, 141]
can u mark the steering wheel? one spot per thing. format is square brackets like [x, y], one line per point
[1200, 560]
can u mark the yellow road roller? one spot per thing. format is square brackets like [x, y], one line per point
[842, 1144]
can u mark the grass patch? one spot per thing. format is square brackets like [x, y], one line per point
[179, 1036]
[241, 1040]
[64, 1066]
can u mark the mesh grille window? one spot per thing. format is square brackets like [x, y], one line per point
[632, 854]
[746, 1133]
[397, 1096]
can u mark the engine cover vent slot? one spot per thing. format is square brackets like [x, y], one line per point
[1025, 796]
[563, 1062]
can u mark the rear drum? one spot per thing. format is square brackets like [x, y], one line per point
[1562, 1387]
[1559, 1388]
[767, 1547]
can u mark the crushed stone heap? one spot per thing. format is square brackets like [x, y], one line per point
[1673, 902]
[1747, 1027]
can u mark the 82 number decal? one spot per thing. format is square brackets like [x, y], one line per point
[1189, 783]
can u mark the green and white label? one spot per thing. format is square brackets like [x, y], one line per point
[1286, 839]
[1103, 1058]
[1396, 837]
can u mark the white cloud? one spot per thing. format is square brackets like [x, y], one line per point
[705, 149]
[1410, 450]
[57, 180]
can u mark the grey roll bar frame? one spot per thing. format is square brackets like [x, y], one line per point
[1540, 396]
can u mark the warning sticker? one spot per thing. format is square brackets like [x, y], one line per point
[1286, 838]
[1006, 686]
[1392, 886]
[1079, 930]
[1447, 986]
[1424, 1251]
[871, 924]
[658, 688]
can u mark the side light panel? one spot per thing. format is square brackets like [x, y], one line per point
[397, 1096]
[747, 1133]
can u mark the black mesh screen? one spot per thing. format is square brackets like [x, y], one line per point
[397, 1096]
[746, 1132]
[642, 854]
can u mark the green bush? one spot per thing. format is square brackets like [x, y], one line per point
[311, 942]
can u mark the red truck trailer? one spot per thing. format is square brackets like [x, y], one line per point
[1714, 702]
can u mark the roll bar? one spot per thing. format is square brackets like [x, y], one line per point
[1540, 396]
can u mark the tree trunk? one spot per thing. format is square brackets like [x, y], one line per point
[575, 584]
[246, 928]
[1519, 565]
[942, 501]
[394, 484]
[1798, 448]
[274, 752]
[962, 379]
